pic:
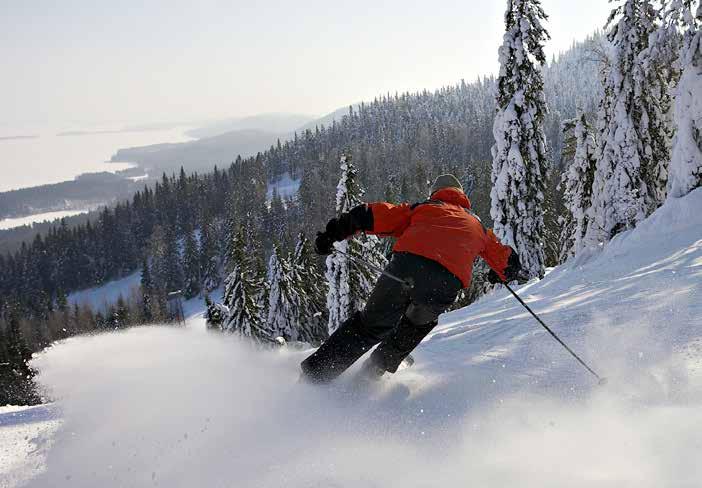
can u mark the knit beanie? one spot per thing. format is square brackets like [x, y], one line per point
[446, 181]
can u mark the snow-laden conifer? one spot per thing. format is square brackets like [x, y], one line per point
[686, 160]
[215, 313]
[520, 153]
[283, 299]
[310, 289]
[576, 184]
[191, 266]
[241, 295]
[350, 282]
[659, 62]
[166, 263]
[632, 123]
[147, 291]
[209, 256]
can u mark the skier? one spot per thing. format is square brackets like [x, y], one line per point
[437, 242]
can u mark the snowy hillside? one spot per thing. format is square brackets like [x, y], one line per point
[491, 401]
[101, 297]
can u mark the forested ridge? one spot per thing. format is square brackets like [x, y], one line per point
[179, 232]
[398, 143]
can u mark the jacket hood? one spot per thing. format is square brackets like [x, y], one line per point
[452, 195]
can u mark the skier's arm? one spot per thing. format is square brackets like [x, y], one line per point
[381, 218]
[375, 218]
[358, 219]
[389, 219]
[347, 224]
[503, 260]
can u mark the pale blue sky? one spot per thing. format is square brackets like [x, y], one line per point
[131, 62]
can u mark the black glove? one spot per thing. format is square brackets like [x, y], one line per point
[338, 229]
[512, 271]
[493, 277]
[335, 229]
[323, 244]
[514, 268]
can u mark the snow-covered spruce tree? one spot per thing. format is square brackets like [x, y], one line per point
[166, 269]
[552, 210]
[520, 159]
[576, 184]
[283, 300]
[659, 61]
[147, 291]
[209, 255]
[241, 295]
[309, 286]
[350, 282]
[17, 366]
[191, 266]
[632, 125]
[215, 313]
[275, 220]
[686, 160]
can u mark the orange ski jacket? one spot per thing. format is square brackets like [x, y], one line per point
[441, 229]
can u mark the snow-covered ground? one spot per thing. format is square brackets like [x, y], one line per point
[26, 433]
[99, 298]
[285, 186]
[138, 178]
[492, 400]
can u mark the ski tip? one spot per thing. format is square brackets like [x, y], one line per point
[602, 381]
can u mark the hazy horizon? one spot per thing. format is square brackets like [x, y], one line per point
[51, 158]
[80, 63]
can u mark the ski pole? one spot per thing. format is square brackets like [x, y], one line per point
[376, 268]
[600, 380]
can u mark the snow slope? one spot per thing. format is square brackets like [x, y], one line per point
[26, 434]
[101, 297]
[492, 400]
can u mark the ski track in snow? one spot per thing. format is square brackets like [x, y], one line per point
[492, 400]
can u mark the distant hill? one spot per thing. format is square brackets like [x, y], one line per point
[221, 148]
[278, 123]
[327, 120]
[200, 155]
[87, 190]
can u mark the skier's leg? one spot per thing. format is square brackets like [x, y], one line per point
[337, 353]
[434, 291]
[359, 333]
[413, 327]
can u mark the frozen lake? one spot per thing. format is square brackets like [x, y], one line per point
[31, 156]
[50, 216]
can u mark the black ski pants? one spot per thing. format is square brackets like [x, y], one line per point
[396, 317]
